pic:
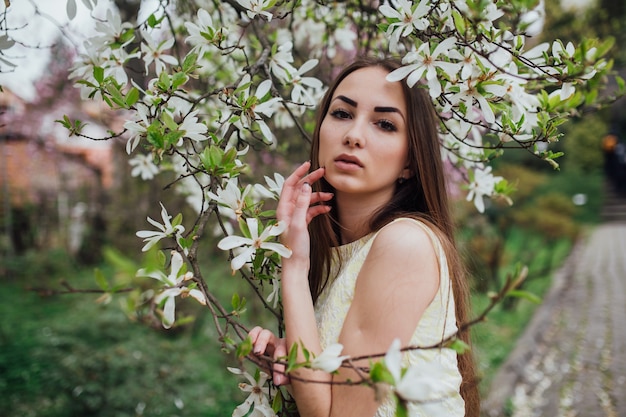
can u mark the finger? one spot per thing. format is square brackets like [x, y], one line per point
[315, 176]
[303, 202]
[289, 192]
[263, 343]
[320, 197]
[316, 211]
[254, 333]
[279, 376]
[295, 177]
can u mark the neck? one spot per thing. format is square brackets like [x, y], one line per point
[355, 213]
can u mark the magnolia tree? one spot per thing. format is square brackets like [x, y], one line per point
[222, 81]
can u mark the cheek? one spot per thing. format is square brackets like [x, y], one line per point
[324, 138]
[396, 154]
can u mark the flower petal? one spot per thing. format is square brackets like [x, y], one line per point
[231, 242]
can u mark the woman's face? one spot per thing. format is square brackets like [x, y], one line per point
[363, 139]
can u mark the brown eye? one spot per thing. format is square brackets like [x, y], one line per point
[386, 125]
[340, 114]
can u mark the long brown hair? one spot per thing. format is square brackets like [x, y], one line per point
[422, 196]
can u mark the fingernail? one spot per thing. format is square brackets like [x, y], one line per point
[306, 186]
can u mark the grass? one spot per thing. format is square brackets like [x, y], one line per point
[68, 356]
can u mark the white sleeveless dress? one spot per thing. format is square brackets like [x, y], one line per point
[437, 322]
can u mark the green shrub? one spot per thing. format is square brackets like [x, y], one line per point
[67, 356]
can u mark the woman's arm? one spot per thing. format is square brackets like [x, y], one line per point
[294, 208]
[397, 282]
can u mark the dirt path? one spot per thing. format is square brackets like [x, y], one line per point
[571, 360]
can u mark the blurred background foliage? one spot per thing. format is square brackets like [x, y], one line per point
[69, 355]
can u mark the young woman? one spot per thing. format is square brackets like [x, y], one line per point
[373, 247]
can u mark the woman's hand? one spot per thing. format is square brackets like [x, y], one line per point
[264, 342]
[297, 206]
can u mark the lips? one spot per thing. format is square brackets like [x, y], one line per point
[349, 159]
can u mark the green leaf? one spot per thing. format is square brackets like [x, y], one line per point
[459, 22]
[65, 122]
[235, 300]
[116, 94]
[168, 120]
[229, 156]
[179, 79]
[244, 348]
[178, 220]
[164, 81]
[127, 35]
[189, 62]
[401, 409]
[292, 359]
[525, 295]
[605, 46]
[161, 258]
[132, 97]
[172, 137]
[380, 373]
[459, 346]
[98, 74]
[101, 280]
[277, 403]
[153, 21]
[215, 156]
[154, 136]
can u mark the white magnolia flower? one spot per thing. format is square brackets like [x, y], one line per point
[111, 30]
[255, 112]
[174, 283]
[524, 105]
[483, 184]
[154, 52]
[275, 186]
[83, 70]
[424, 62]
[137, 128]
[254, 242]
[491, 13]
[274, 296]
[408, 19]
[424, 383]
[166, 229]
[257, 7]
[193, 129]
[469, 93]
[284, 116]
[259, 396]
[203, 33]
[143, 165]
[567, 90]
[115, 64]
[231, 196]
[536, 54]
[329, 360]
[280, 61]
[469, 66]
[300, 93]
[344, 38]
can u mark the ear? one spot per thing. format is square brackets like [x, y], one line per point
[406, 173]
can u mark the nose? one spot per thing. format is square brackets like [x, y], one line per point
[355, 135]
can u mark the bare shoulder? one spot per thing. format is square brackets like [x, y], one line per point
[404, 238]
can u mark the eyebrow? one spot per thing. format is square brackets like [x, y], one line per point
[347, 100]
[378, 109]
